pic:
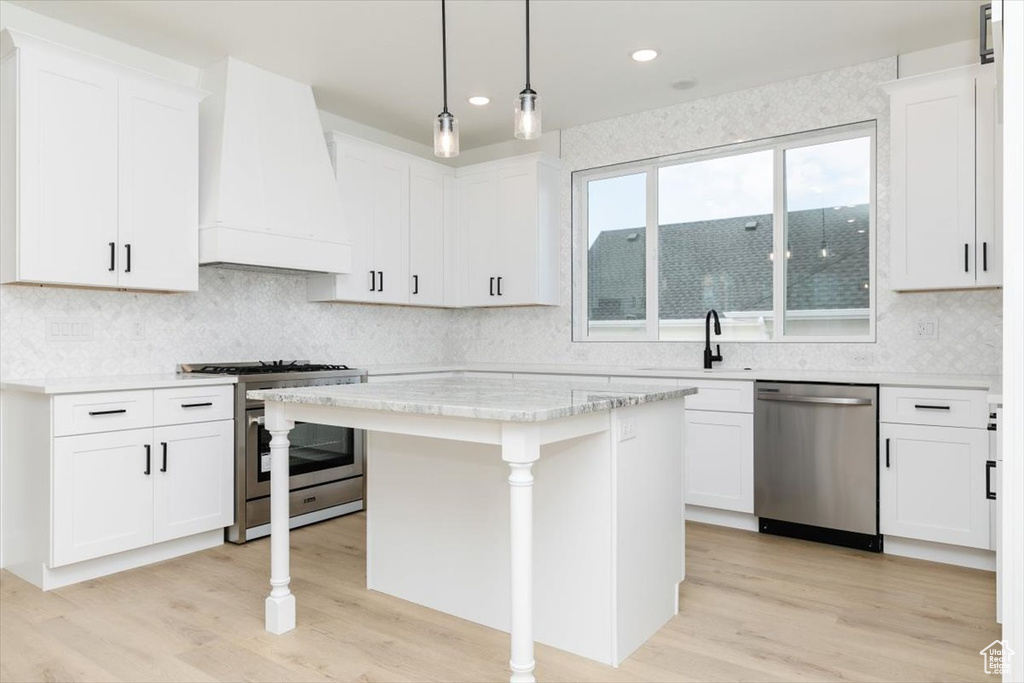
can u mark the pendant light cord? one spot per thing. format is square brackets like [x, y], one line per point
[444, 55]
[527, 44]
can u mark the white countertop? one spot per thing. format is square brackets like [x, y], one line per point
[81, 385]
[990, 383]
[479, 398]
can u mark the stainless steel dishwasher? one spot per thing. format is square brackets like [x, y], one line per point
[816, 462]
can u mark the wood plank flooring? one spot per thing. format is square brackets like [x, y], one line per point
[753, 608]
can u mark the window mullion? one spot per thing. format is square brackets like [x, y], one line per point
[779, 246]
[652, 254]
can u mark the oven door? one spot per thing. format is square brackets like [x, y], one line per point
[317, 454]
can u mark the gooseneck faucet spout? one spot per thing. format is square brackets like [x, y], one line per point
[709, 357]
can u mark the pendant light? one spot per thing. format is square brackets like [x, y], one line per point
[824, 252]
[446, 129]
[527, 125]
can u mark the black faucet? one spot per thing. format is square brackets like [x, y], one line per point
[717, 355]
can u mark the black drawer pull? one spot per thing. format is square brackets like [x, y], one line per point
[163, 445]
[112, 256]
[989, 466]
[924, 406]
[373, 281]
[991, 427]
[887, 453]
[415, 284]
[381, 273]
[967, 268]
[148, 454]
[499, 286]
[128, 257]
[205, 404]
[108, 412]
[492, 286]
[984, 256]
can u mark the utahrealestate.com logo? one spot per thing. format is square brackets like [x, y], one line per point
[997, 657]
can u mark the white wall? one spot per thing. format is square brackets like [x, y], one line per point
[969, 322]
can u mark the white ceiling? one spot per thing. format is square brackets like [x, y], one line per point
[379, 61]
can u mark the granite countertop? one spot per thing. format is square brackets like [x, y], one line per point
[990, 383]
[82, 385]
[484, 399]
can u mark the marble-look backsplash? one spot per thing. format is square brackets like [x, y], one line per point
[235, 315]
[970, 322]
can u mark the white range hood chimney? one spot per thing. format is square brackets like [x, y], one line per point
[267, 194]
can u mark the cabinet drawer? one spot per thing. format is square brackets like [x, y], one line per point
[102, 412]
[939, 407]
[182, 405]
[720, 395]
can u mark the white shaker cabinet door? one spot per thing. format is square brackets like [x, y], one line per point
[67, 171]
[933, 184]
[516, 262]
[426, 235]
[478, 230]
[102, 494]
[391, 228]
[159, 188]
[720, 460]
[932, 484]
[192, 478]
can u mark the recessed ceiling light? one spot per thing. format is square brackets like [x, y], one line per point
[479, 100]
[644, 55]
[685, 84]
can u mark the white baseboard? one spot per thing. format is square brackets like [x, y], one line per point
[974, 558]
[48, 579]
[729, 518]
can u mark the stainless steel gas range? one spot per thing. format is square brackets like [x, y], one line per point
[326, 462]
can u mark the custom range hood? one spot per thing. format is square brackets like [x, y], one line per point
[267, 194]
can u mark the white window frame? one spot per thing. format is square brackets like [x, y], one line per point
[779, 146]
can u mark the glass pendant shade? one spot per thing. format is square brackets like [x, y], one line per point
[446, 136]
[527, 126]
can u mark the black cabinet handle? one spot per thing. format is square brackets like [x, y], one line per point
[986, 52]
[989, 466]
[373, 281]
[922, 406]
[415, 284]
[492, 286]
[991, 427]
[967, 267]
[499, 285]
[163, 467]
[148, 454]
[128, 257]
[381, 273]
[197, 405]
[887, 454]
[113, 255]
[984, 256]
[108, 412]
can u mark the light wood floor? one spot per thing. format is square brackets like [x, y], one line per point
[753, 608]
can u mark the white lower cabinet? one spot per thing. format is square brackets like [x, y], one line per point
[932, 484]
[102, 495]
[117, 491]
[720, 460]
[193, 486]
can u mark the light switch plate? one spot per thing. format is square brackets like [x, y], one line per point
[627, 429]
[68, 329]
[926, 328]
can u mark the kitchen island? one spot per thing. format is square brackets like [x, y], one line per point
[590, 564]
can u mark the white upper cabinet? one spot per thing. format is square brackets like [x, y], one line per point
[159, 187]
[508, 232]
[944, 231]
[99, 172]
[394, 209]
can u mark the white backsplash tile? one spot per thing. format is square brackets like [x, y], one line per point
[238, 315]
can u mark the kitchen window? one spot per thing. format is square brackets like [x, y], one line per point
[776, 235]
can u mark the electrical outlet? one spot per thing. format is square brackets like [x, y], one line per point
[862, 358]
[138, 330]
[926, 328]
[68, 329]
[627, 429]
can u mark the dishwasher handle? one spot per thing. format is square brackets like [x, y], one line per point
[821, 400]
